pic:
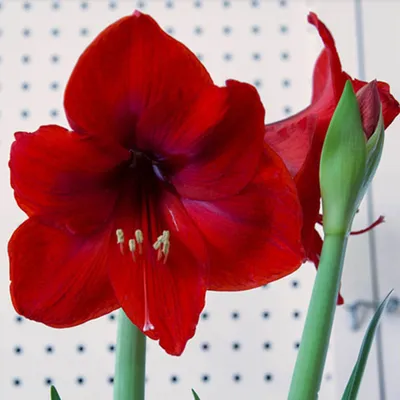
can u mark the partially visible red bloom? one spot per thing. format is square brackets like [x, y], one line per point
[161, 190]
[299, 139]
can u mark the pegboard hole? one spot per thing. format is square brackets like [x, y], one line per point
[80, 348]
[48, 381]
[285, 56]
[236, 346]
[25, 59]
[80, 380]
[267, 345]
[17, 382]
[268, 377]
[205, 346]
[283, 29]
[84, 32]
[55, 32]
[198, 30]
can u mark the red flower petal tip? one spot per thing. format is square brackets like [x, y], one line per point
[370, 105]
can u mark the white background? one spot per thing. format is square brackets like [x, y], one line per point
[267, 43]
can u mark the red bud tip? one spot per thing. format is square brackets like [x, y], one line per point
[369, 103]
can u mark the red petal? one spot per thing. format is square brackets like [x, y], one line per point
[254, 237]
[219, 166]
[130, 67]
[167, 297]
[65, 178]
[291, 139]
[57, 278]
[328, 78]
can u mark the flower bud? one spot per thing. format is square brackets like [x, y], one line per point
[370, 107]
[348, 161]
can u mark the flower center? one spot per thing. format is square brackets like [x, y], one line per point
[146, 163]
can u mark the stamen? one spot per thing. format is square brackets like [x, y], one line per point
[132, 248]
[120, 240]
[139, 239]
[379, 221]
[157, 243]
[162, 245]
[165, 250]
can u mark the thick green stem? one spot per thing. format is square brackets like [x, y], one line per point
[310, 362]
[130, 366]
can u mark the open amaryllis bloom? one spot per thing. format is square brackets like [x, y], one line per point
[299, 139]
[162, 189]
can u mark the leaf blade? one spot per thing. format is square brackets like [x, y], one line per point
[354, 382]
[54, 394]
[195, 395]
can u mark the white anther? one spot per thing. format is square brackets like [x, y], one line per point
[158, 243]
[120, 236]
[139, 236]
[139, 240]
[132, 245]
[132, 248]
[161, 245]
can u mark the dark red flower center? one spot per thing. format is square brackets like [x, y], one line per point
[146, 164]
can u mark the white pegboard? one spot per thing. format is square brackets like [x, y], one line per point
[246, 343]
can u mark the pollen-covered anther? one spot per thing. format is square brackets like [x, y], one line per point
[139, 240]
[132, 248]
[120, 239]
[162, 245]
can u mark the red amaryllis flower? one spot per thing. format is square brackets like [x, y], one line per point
[299, 139]
[161, 190]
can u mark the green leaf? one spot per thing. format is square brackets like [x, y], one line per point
[54, 394]
[343, 164]
[195, 395]
[353, 385]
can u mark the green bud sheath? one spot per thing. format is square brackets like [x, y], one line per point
[343, 164]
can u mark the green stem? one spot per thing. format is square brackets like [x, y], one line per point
[310, 362]
[130, 366]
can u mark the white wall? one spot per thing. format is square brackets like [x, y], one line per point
[84, 352]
